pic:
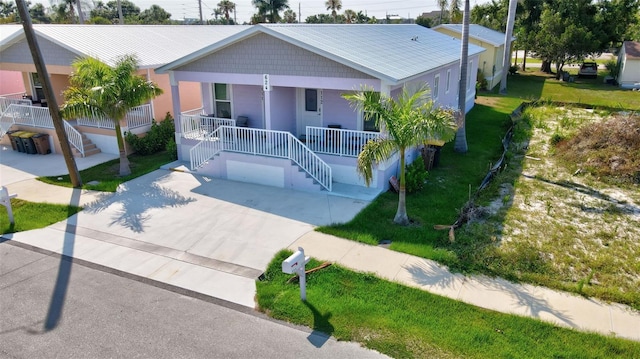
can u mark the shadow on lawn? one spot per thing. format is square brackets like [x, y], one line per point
[322, 328]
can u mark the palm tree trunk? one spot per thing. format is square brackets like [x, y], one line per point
[125, 170]
[41, 68]
[461, 136]
[401, 214]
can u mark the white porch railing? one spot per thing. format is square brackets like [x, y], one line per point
[140, 116]
[338, 142]
[137, 117]
[34, 116]
[6, 100]
[38, 117]
[255, 141]
[74, 137]
[198, 126]
[195, 111]
[15, 96]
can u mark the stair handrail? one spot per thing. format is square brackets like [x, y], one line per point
[204, 150]
[262, 142]
[74, 136]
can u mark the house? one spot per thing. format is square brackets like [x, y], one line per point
[154, 46]
[272, 110]
[629, 61]
[492, 60]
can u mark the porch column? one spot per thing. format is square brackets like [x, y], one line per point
[267, 109]
[153, 108]
[175, 102]
[207, 97]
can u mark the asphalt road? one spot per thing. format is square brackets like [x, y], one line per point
[55, 308]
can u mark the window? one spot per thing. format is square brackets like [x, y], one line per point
[436, 86]
[223, 100]
[311, 100]
[369, 119]
[448, 84]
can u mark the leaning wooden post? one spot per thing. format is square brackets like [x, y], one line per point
[54, 110]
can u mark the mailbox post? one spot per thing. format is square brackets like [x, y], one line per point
[5, 200]
[295, 264]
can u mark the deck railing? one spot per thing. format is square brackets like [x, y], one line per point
[198, 126]
[280, 144]
[38, 117]
[15, 96]
[338, 142]
[6, 100]
[139, 116]
[195, 111]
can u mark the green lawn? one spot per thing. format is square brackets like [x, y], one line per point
[450, 184]
[29, 215]
[404, 322]
[106, 174]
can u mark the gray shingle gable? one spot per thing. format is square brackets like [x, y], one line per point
[264, 54]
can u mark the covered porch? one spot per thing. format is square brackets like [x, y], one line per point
[86, 136]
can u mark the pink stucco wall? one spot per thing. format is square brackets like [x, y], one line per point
[11, 82]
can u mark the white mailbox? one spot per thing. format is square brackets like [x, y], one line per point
[295, 261]
[295, 264]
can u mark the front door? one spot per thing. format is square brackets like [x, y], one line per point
[309, 109]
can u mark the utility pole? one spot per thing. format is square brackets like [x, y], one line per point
[511, 19]
[299, 13]
[200, 9]
[120, 17]
[48, 93]
[80, 14]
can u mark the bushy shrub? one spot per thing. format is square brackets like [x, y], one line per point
[415, 176]
[613, 67]
[172, 149]
[481, 82]
[156, 139]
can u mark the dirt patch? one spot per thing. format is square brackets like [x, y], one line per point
[585, 229]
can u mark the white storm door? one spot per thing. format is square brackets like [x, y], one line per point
[309, 109]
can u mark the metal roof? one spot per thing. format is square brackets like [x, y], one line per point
[154, 45]
[478, 32]
[390, 52]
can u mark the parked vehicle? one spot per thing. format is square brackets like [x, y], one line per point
[588, 69]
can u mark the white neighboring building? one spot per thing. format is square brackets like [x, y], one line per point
[629, 60]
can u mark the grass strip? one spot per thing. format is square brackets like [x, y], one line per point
[105, 175]
[405, 322]
[30, 215]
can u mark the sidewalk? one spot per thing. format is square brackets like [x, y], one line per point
[497, 294]
[167, 259]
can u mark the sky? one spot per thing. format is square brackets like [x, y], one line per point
[180, 9]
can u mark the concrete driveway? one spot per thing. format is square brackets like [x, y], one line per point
[211, 236]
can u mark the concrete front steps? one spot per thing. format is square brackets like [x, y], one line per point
[90, 148]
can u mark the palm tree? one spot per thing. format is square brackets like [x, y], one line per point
[225, 7]
[455, 15]
[350, 16]
[461, 136]
[334, 6]
[270, 9]
[442, 4]
[100, 90]
[408, 121]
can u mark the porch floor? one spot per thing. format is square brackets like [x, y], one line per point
[338, 189]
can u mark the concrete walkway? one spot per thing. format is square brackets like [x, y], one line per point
[216, 237]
